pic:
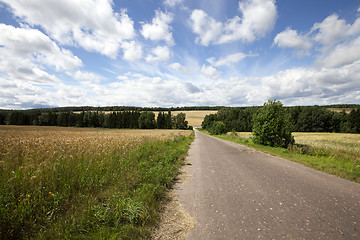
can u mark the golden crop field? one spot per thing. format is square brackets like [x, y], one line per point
[347, 110]
[35, 144]
[86, 177]
[344, 145]
[194, 118]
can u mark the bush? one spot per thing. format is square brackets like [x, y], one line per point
[217, 128]
[271, 125]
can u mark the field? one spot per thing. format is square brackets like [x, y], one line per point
[334, 153]
[343, 145]
[58, 183]
[195, 118]
[347, 110]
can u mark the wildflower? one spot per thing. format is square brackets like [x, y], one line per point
[108, 208]
[28, 195]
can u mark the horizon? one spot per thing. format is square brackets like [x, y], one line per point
[178, 53]
[348, 105]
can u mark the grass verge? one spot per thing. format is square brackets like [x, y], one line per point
[92, 195]
[332, 162]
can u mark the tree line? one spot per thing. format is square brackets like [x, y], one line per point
[301, 119]
[123, 119]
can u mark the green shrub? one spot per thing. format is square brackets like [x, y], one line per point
[271, 125]
[217, 128]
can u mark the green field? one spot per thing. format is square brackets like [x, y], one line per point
[81, 183]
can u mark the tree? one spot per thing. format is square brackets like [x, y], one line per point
[161, 122]
[208, 121]
[180, 121]
[271, 125]
[147, 120]
[217, 128]
[168, 120]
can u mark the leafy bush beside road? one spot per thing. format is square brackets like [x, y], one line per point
[271, 125]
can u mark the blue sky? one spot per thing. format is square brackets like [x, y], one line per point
[178, 52]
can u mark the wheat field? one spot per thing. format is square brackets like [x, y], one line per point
[55, 181]
[342, 145]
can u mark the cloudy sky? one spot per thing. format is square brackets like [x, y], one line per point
[178, 52]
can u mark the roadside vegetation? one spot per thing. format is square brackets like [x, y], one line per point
[334, 153]
[301, 119]
[81, 183]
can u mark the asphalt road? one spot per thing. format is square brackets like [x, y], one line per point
[235, 192]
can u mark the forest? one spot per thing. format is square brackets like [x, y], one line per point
[239, 119]
[121, 119]
[302, 119]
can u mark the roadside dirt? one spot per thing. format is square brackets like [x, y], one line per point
[174, 222]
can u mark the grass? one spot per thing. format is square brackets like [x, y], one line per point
[61, 183]
[333, 153]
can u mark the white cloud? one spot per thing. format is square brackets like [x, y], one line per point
[291, 39]
[173, 3]
[159, 29]
[336, 40]
[210, 71]
[333, 30]
[159, 54]
[33, 44]
[90, 24]
[258, 18]
[308, 85]
[85, 76]
[132, 51]
[177, 66]
[230, 59]
[341, 55]
[207, 28]
[142, 90]
[27, 54]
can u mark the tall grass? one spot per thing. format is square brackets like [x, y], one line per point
[57, 183]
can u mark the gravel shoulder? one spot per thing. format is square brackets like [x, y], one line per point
[175, 222]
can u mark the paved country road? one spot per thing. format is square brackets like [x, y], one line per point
[235, 192]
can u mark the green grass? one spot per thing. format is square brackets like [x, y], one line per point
[343, 163]
[114, 195]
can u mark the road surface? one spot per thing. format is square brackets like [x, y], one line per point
[235, 192]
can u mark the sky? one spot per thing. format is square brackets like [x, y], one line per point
[172, 53]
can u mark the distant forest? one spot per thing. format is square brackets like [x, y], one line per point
[303, 118]
[119, 119]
